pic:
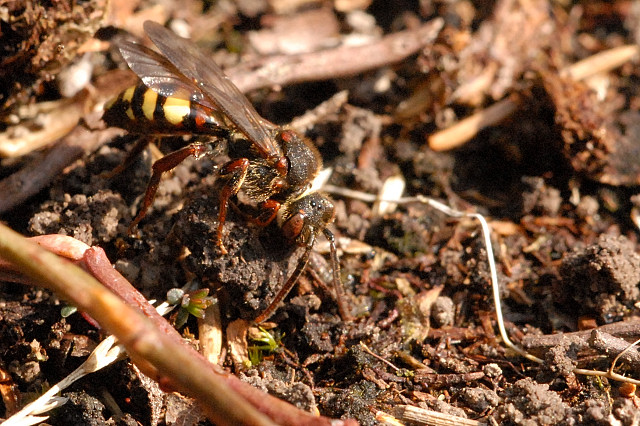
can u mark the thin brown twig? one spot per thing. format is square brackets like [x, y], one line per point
[610, 373]
[343, 61]
[611, 345]
[378, 357]
[623, 329]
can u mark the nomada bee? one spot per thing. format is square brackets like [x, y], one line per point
[182, 91]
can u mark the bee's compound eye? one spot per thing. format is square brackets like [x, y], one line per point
[294, 225]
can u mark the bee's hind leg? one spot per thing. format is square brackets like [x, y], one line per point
[166, 163]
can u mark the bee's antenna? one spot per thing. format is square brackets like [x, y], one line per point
[337, 283]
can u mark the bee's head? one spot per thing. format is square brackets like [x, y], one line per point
[302, 219]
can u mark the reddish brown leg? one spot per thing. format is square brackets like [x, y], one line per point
[268, 212]
[286, 288]
[142, 143]
[165, 164]
[234, 172]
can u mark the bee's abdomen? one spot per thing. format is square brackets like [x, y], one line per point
[139, 109]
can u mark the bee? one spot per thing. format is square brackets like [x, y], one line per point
[182, 91]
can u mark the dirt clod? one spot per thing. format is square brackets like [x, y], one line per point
[478, 399]
[531, 403]
[603, 278]
[92, 220]
[297, 393]
[82, 409]
[442, 312]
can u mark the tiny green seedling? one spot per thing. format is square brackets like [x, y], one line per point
[265, 343]
[190, 303]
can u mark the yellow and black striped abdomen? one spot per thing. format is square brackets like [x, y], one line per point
[139, 109]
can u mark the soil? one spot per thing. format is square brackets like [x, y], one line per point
[557, 179]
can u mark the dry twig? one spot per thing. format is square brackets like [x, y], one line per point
[606, 343]
[623, 329]
[420, 416]
[343, 61]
